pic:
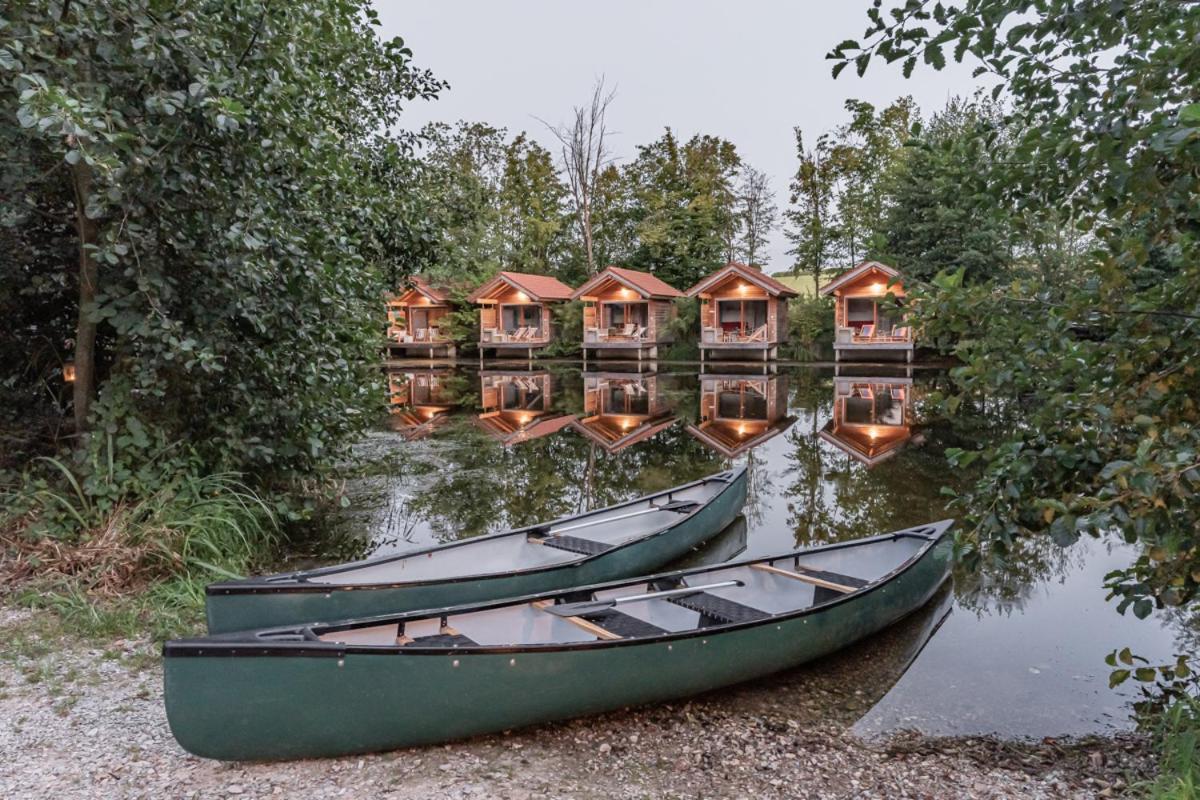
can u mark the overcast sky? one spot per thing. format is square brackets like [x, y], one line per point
[748, 71]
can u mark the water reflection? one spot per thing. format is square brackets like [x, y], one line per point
[872, 417]
[739, 413]
[517, 446]
[518, 406]
[419, 402]
[623, 408]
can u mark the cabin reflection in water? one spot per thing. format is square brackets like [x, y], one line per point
[739, 412]
[872, 417]
[419, 402]
[621, 409]
[517, 406]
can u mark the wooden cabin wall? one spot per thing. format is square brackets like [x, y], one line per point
[661, 313]
[780, 309]
[488, 317]
[590, 312]
[591, 398]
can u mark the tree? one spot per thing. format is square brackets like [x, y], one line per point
[864, 151]
[585, 156]
[940, 214]
[461, 173]
[811, 227]
[1105, 110]
[682, 204]
[221, 176]
[757, 216]
[532, 201]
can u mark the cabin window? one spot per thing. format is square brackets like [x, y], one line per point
[521, 395]
[744, 404]
[625, 397]
[860, 311]
[742, 316]
[617, 315]
[515, 317]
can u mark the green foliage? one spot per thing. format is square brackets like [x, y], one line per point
[247, 212]
[1099, 360]
[810, 326]
[811, 226]
[837, 193]
[941, 213]
[1178, 737]
[683, 206]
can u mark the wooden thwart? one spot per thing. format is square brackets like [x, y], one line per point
[800, 576]
[590, 627]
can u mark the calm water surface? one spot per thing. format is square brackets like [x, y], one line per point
[831, 457]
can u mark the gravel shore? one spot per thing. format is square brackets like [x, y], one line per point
[86, 720]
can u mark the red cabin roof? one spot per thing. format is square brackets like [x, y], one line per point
[541, 288]
[643, 283]
[755, 276]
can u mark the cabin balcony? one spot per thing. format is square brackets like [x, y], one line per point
[420, 341]
[630, 335]
[418, 336]
[738, 338]
[517, 338]
[870, 338]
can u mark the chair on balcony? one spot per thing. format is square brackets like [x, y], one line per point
[638, 333]
[759, 335]
[866, 332]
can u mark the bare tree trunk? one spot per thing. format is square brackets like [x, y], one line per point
[585, 154]
[85, 330]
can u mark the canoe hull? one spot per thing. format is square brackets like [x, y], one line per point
[342, 702]
[247, 610]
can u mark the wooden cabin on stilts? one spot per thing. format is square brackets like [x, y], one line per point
[626, 312]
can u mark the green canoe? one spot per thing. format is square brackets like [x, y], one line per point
[620, 541]
[436, 675]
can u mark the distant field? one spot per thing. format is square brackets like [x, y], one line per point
[803, 284]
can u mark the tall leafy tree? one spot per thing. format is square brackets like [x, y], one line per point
[863, 152]
[533, 213]
[940, 212]
[811, 222]
[682, 195]
[205, 190]
[756, 216]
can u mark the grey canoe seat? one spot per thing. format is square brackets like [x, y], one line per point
[716, 610]
[574, 544]
[442, 640]
[623, 625]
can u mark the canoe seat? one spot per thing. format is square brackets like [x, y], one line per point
[716, 610]
[574, 544]
[623, 625]
[442, 640]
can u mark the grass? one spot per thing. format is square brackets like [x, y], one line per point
[1179, 753]
[803, 284]
[140, 567]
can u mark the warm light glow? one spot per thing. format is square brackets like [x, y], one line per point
[878, 288]
[742, 288]
[69, 372]
[626, 423]
[523, 419]
[626, 292]
[741, 429]
[524, 298]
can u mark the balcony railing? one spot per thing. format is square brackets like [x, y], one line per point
[514, 336]
[867, 335]
[418, 336]
[720, 336]
[622, 333]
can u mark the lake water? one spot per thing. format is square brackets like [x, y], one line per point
[831, 457]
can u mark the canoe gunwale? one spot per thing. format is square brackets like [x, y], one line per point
[290, 583]
[236, 645]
